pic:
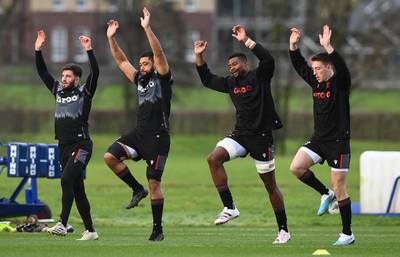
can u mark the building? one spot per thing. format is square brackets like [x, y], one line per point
[209, 20]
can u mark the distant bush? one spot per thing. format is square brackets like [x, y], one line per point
[373, 126]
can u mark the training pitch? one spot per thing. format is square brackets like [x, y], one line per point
[191, 205]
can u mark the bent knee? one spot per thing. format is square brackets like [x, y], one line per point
[297, 170]
[215, 159]
[211, 159]
[218, 156]
[111, 160]
[109, 157]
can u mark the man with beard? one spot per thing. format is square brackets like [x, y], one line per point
[250, 92]
[73, 104]
[150, 140]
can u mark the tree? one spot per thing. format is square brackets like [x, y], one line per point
[375, 31]
[283, 83]
[336, 14]
[310, 16]
[9, 9]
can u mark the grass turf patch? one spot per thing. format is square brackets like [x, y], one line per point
[191, 205]
[204, 241]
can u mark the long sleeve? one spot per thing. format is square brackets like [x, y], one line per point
[43, 72]
[267, 61]
[341, 69]
[301, 66]
[91, 80]
[212, 81]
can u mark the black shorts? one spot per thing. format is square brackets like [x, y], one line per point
[260, 147]
[336, 153]
[153, 148]
[80, 151]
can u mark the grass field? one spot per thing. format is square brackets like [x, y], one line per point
[191, 205]
[108, 97]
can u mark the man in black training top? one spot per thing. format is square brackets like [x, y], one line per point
[73, 104]
[150, 140]
[329, 79]
[250, 92]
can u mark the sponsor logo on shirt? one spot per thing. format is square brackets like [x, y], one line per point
[69, 99]
[322, 95]
[242, 90]
[144, 89]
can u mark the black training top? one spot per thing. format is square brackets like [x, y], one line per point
[331, 98]
[154, 102]
[251, 94]
[72, 105]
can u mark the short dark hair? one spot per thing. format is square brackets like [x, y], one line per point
[148, 54]
[322, 57]
[76, 70]
[241, 56]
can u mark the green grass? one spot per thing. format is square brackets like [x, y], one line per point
[191, 205]
[203, 241]
[109, 97]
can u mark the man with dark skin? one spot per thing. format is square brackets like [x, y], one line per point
[250, 92]
[150, 140]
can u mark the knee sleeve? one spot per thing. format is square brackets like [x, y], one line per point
[156, 169]
[151, 173]
[265, 167]
[117, 150]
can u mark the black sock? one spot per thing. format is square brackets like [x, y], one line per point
[281, 220]
[128, 178]
[310, 179]
[157, 206]
[225, 195]
[63, 222]
[345, 213]
[90, 228]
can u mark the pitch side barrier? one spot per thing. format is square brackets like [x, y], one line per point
[28, 161]
[379, 183]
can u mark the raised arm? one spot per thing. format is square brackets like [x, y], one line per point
[91, 81]
[338, 62]
[298, 61]
[86, 43]
[208, 79]
[294, 39]
[240, 34]
[267, 62]
[160, 60]
[120, 58]
[41, 38]
[41, 67]
[325, 39]
[199, 48]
